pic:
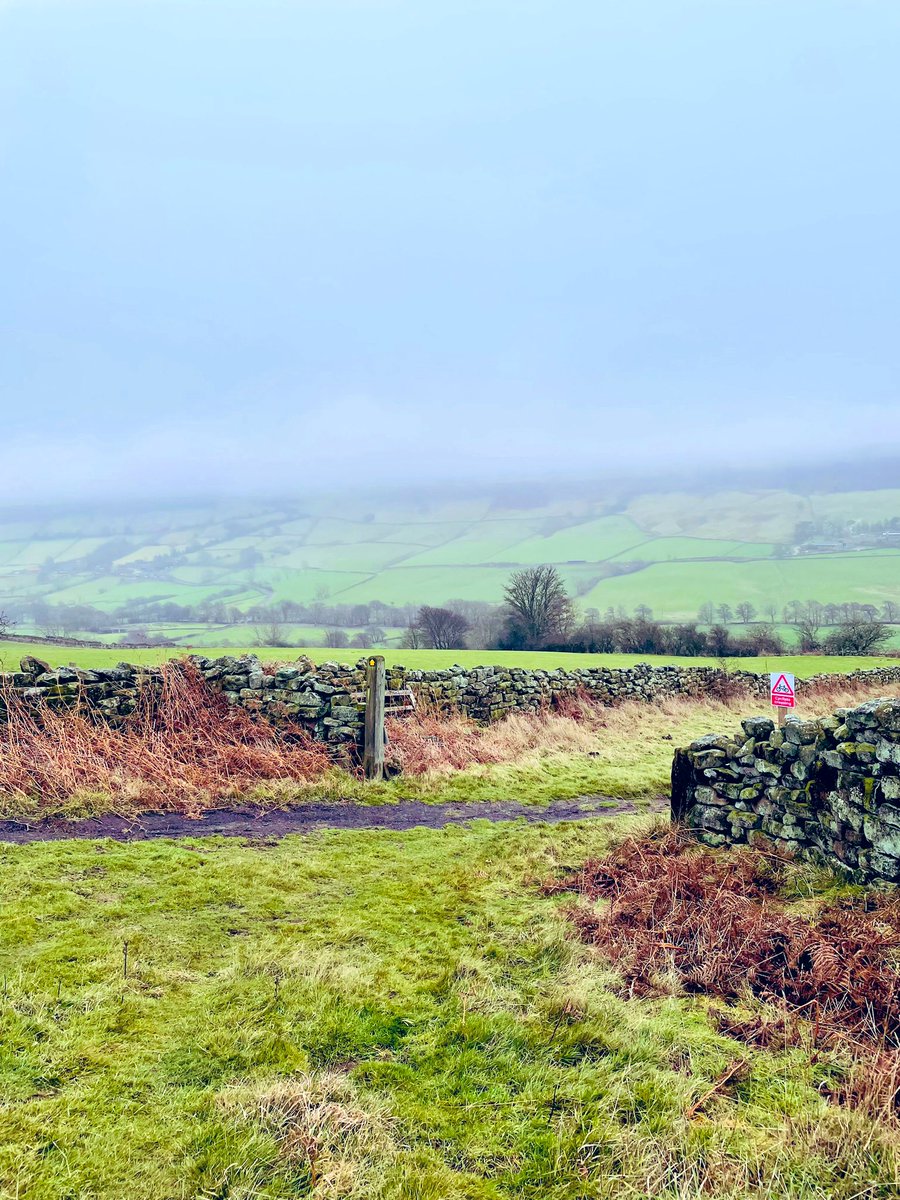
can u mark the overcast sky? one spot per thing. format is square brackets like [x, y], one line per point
[254, 244]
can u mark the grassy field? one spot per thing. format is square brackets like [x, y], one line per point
[378, 1016]
[680, 550]
[801, 665]
[679, 588]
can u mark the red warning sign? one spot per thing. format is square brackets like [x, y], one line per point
[783, 692]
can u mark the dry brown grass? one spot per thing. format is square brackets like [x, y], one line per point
[681, 917]
[321, 1128]
[626, 734]
[181, 752]
[188, 751]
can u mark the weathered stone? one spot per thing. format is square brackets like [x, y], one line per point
[801, 732]
[838, 802]
[885, 866]
[758, 727]
[30, 665]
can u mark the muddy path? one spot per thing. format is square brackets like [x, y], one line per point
[307, 818]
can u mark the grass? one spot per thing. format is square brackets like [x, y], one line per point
[374, 1015]
[802, 665]
[678, 589]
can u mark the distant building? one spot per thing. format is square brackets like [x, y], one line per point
[821, 547]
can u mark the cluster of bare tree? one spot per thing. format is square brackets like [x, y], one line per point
[796, 611]
[637, 635]
[850, 628]
[436, 629]
[536, 613]
[724, 614]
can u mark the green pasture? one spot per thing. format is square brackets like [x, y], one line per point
[678, 589]
[674, 549]
[802, 665]
[717, 547]
[376, 1016]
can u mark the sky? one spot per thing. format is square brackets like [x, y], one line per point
[280, 244]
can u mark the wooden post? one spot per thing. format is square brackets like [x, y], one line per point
[782, 717]
[373, 749]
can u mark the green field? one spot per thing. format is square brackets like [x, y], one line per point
[679, 588]
[375, 1016]
[677, 551]
[802, 665]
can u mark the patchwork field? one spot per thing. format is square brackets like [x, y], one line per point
[671, 551]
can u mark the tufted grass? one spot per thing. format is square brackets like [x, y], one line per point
[374, 1015]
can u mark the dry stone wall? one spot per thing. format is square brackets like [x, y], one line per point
[828, 789]
[327, 699]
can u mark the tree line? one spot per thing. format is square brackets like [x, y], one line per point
[538, 614]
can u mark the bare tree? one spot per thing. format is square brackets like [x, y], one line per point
[412, 637]
[538, 607]
[485, 622]
[809, 626]
[270, 634]
[442, 629]
[890, 612]
[857, 635]
[335, 639]
[707, 613]
[725, 613]
[764, 639]
[745, 611]
[6, 623]
[643, 613]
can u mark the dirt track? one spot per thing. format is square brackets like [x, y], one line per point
[305, 818]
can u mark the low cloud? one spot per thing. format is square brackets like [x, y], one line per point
[357, 442]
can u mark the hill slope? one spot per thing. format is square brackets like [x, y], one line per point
[672, 551]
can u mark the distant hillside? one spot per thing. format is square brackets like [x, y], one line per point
[672, 551]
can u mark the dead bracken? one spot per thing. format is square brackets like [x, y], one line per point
[683, 916]
[179, 751]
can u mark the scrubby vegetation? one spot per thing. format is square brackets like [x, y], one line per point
[184, 750]
[824, 976]
[193, 752]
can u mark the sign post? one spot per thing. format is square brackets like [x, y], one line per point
[373, 733]
[782, 693]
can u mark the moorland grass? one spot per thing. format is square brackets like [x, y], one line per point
[375, 1015]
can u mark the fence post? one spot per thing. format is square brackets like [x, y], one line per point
[373, 749]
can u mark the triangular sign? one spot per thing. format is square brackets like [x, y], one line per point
[782, 687]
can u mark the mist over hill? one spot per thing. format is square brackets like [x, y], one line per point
[370, 557]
